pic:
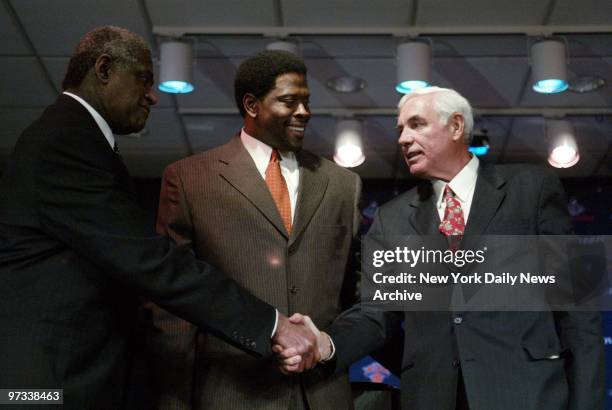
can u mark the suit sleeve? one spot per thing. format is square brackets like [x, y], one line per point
[83, 200]
[358, 331]
[580, 332]
[173, 342]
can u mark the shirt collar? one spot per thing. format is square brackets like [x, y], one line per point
[261, 152]
[462, 184]
[102, 124]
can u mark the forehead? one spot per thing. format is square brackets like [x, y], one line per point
[421, 106]
[143, 62]
[290, 82]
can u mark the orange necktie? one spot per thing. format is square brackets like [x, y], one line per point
[278, 188]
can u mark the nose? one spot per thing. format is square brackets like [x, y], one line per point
[405, 137]
[303, 111]
[151, 96]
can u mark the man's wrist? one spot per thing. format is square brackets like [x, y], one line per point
[329, 350]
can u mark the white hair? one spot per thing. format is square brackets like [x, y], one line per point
[446, 103]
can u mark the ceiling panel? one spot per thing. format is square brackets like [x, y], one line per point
[581, 12]
[212, 12]
[214, 84]
[22, 83]
[344, 47]
[479, 46]
[13, 43]
[481, 12]
[485, 82]
[357, 13]
[56, 26]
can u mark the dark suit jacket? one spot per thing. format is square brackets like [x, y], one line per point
[504, 357]
[218, 204]
[75, 254]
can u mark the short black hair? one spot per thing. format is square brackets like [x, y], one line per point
[257, 74]
[122, 45]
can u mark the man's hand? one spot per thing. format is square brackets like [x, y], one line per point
[290, 361]
[295, 337]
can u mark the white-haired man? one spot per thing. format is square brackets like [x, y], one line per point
[475, 360]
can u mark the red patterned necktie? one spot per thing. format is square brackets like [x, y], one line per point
[453, 224]
[278, 188]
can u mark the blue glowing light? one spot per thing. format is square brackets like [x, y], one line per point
[407, 86]
[479, 151]
[550, 86]
[176, 87]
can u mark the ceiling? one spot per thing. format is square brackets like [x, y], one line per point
[480, 48]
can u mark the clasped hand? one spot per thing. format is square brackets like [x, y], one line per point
[298, 343]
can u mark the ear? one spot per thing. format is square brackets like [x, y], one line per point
[457, 124]
[102, 68]
[250, 104]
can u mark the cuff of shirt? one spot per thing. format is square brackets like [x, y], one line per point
[275, 324]
[332, 348]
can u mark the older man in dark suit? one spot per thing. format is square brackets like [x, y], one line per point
[476, 360]
[76, 252]
[277, 219]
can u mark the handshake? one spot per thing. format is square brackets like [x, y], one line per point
[299, 345]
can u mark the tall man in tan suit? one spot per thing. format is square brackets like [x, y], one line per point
[277, 219]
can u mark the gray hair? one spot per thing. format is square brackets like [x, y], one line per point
[446, 103]
[123, 46]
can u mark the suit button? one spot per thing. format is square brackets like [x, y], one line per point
[292, 250]
[458, 320]
[235, 334]
[293, 289]
[456, 363]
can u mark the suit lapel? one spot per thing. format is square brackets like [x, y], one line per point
[310, 192]
[242, 174]
[425, 219]
[488, 196]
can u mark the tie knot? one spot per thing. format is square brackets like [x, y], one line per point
[448, 192]
[274, 157]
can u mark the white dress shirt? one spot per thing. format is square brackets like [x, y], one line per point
[462, 184]
[108, 134]
[290, 169]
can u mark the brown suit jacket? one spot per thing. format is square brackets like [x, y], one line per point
[218, 203]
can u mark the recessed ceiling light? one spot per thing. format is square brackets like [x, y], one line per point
[346, 84]
[586, 84]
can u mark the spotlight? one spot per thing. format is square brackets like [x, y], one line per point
[176, 67]
[283, 45]
[563, 149]
[349, 148]
[549, 66]
[480, 144]
[413, 66]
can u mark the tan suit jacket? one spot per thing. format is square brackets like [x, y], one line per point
[218, 203]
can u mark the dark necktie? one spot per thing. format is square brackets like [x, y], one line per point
[278, 188]
[453, 224]
[116, 148]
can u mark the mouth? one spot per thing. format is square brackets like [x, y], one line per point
[412, 156]
[297, 128]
